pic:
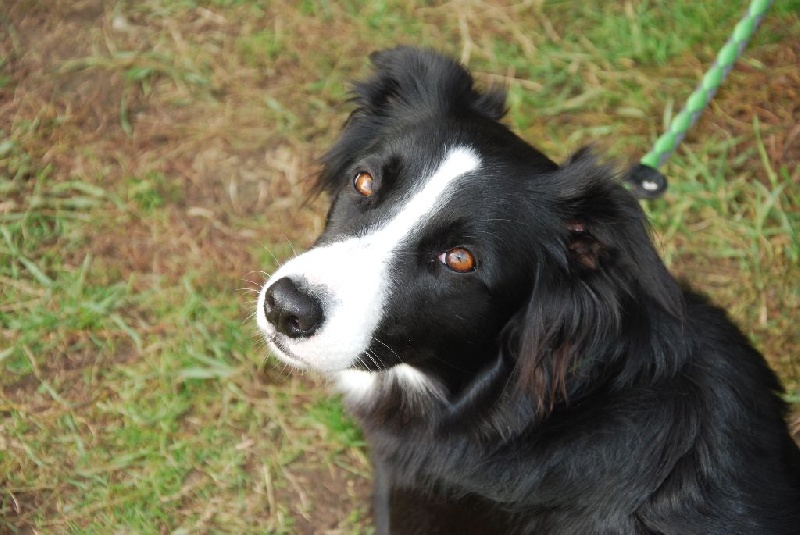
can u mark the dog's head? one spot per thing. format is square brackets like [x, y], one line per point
[450, 241]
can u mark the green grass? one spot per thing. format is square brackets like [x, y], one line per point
[151, 176]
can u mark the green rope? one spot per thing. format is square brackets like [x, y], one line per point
[646, 179]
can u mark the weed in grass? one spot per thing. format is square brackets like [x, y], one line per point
[153, 191]
[259, 49]
[15, 164]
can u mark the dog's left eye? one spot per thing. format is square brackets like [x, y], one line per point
[458, 259]
[364, 184]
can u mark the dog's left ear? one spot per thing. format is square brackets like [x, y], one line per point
[412, 82]
[605, 229]
[408, 84]
[601, 289]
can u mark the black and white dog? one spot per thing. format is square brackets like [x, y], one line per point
[503, 329]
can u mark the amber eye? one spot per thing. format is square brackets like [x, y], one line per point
[363, 182]
[458, 259]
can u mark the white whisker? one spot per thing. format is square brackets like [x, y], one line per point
[387, 346]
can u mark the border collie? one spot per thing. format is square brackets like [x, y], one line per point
[504, 331]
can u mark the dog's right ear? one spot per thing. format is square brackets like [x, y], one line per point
[408, 84]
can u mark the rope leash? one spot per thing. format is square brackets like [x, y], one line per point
[645, 180]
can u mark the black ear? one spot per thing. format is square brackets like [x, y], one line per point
[607, 235]
[408, 84]
[601, 291]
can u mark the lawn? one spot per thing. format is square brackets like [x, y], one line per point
[154, 162]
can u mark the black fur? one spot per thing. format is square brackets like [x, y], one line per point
[585, 390]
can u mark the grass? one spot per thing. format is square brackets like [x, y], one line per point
[153, 160]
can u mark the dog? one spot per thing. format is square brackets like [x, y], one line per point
[504, 331]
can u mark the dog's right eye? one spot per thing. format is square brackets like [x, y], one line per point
[364, 184]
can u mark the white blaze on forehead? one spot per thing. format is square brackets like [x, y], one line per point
[456, 164]
[352, 276]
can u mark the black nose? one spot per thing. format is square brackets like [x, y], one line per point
[293, 312]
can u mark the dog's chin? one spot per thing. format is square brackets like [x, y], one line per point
[286, 356]
[284, 353]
